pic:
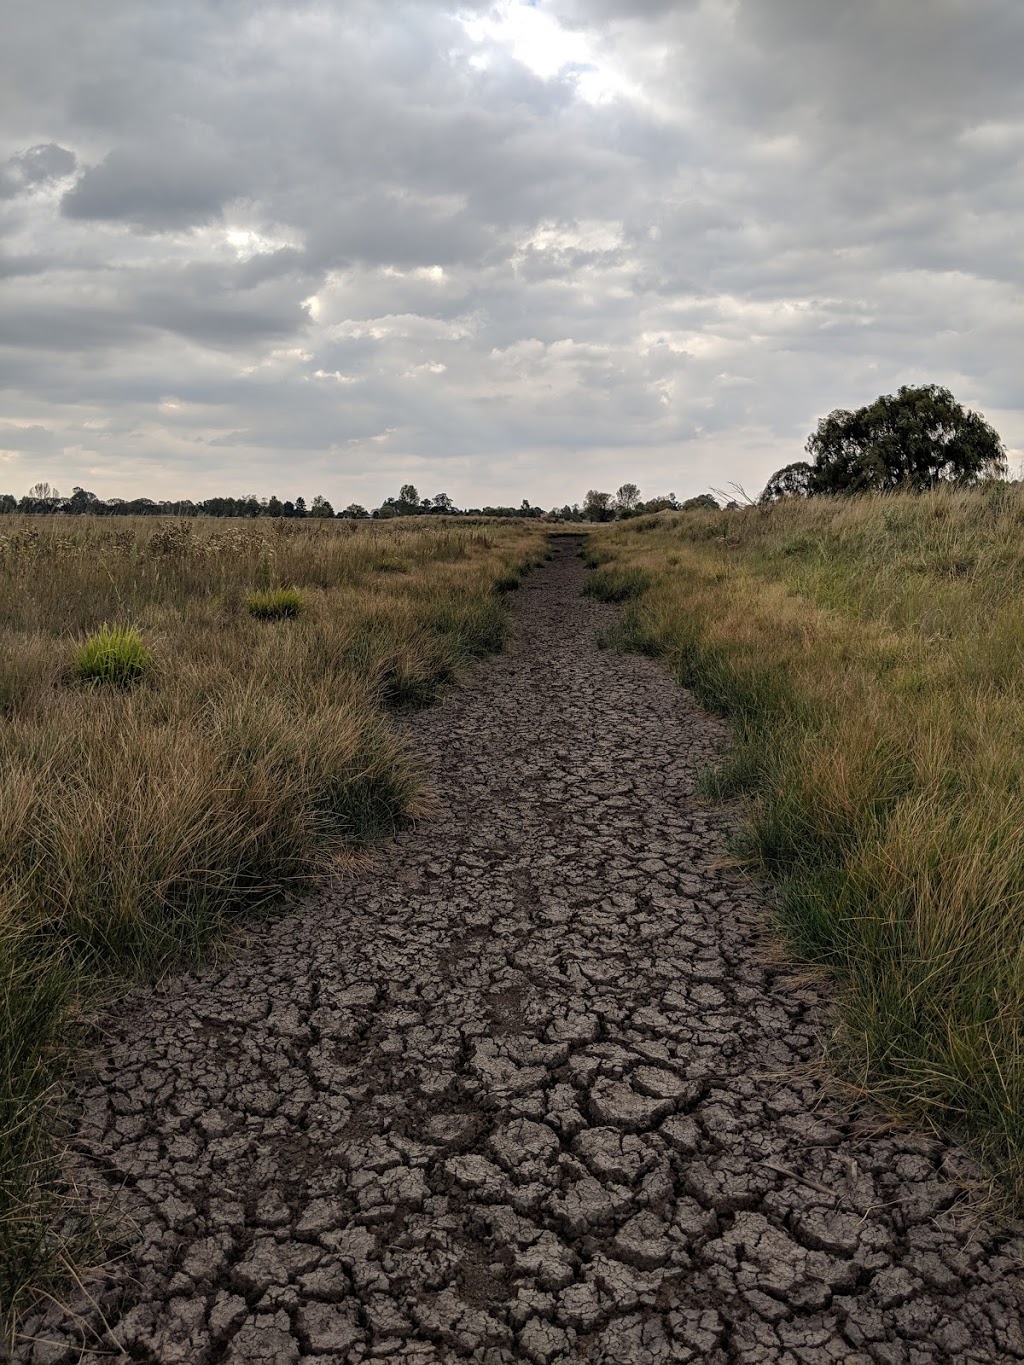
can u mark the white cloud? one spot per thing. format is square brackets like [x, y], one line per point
[531, 34]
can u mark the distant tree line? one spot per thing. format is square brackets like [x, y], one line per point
[410, 504]
[913, 440]
[916, 439]
[627, 502]
[42, 499]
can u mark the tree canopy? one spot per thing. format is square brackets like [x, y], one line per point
[914, 439]
[598, 506]
[792, 480]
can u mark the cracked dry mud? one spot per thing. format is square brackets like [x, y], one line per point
[529, 1089]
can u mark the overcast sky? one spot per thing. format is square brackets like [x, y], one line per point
[496, 250]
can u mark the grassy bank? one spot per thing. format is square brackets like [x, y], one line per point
[869, 653]
[209, 753]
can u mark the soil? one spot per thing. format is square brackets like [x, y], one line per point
[537, 1085]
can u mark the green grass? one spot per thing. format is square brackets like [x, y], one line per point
[138, 823]
[870, 654]
[274, 604]
[35, 993]
[609, 584]
[115, 655]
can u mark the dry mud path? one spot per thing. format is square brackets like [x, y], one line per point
[530, 1089]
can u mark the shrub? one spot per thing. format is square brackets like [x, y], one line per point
[275, 604]
[114, 654]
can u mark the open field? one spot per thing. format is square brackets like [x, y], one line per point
[869, 653]
[530, 1085]
[139, 820]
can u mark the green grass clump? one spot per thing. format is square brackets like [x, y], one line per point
[870, 655]
[114, 654]
[274, 604]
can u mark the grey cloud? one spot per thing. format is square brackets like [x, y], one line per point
[205, 304]
[159, 186]
[395, 229]
[28, 439]
[270, 265]
[26, 263]
[64, 327]
[39, 165]
[931, 60]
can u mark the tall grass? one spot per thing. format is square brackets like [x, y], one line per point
[135, 824]
[870, 653]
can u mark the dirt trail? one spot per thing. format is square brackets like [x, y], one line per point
[527, 1091]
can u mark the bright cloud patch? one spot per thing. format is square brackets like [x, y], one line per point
[531, 34]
